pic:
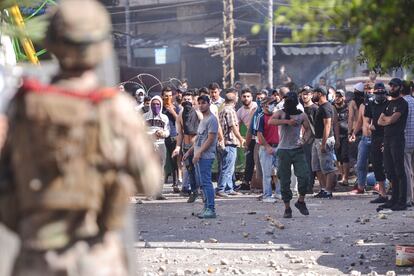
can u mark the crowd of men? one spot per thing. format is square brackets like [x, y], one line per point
[290, 137]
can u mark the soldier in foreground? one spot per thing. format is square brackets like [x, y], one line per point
[74, 154]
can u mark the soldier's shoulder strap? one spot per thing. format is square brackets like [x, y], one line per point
[95, 96]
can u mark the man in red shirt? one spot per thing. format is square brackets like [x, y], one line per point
[268, 136]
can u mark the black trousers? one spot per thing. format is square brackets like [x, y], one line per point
[394, 167]
[376, 157]
[170, 144]
[249, 167]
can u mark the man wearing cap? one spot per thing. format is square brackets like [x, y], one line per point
[342, 153]
[310, 109]
[204, 150]
[409, 142]
[354, 115]
[394, 119]
[139, 97]
[372, 113]
[323, 151]
[73, 156]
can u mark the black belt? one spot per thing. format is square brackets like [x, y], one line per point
[231, 145]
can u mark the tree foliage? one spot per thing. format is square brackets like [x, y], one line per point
[384, 28]
[35, 27]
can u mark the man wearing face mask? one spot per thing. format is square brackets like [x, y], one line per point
[409, 141]
[353, 115]
[187, 123]
[372, 113]
[394, 119]
[323, 151]
[268, 139]
[158, 127]
[290, 152]
[139, 97]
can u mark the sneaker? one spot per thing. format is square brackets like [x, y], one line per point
[326, 195]
[302, 208]
[160, 197]
[244, 187]
[192, 197]
[176, 190]
[207, 214]
[320, 194]
[278, 196]
[269, 200]
[288, 213]
[357, 191]
[233, 193]
[222, 194]
[379, 199]
[399, 207]
[386, 205]
[185, 193]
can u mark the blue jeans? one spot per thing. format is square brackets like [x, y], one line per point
[203, 179]
[364, 148]
[266, 161]
[228, 162]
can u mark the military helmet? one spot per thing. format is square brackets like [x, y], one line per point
[79, 33]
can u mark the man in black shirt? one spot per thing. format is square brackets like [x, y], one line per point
[323, 151]
[310, 110]
[342, 151]
[394, 119]
[373, 110]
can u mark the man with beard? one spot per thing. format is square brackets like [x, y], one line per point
[342, 151]
[323, 151]
[243, 115]
[290, 152]
[232, 139]
[353, 115]
[310, 109]
[187, 124]
[394, 119]
[158, 127]
[255, 115]
[364, 145]
[203, 151]
[171, 110]
[372, 113]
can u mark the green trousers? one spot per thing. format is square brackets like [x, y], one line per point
[287, 158]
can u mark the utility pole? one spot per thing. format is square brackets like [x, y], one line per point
[270, 46]
[228, 44]
[128, 34]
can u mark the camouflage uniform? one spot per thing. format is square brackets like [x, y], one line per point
[74, 154]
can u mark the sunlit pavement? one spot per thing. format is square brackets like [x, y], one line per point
[343, 235]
